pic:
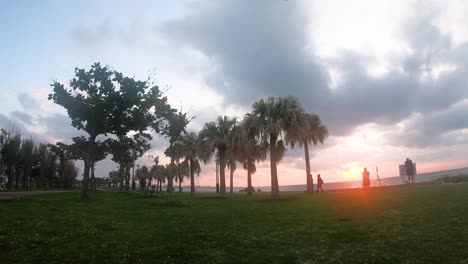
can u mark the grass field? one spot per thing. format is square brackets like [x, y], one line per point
[426, 224]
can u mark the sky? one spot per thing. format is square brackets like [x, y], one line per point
[389, 79]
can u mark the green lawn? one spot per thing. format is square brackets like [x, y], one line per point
[410, 225]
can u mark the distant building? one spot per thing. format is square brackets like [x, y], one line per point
[403, 175]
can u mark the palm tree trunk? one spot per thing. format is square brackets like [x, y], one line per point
[273, 169]
[217, 176]
[249, 181]
[231, 182]
[222, 175]
[180, 184]
[192, 177]
[149, 185]
[310, 187]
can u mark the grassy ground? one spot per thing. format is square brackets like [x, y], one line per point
[409, 225]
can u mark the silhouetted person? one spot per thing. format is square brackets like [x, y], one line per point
[365, 178]
[409, 170]
[319, 183]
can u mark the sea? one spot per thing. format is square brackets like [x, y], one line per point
[389, 181]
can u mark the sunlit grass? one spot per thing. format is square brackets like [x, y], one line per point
[410, 225]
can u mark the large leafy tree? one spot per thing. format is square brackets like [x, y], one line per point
[270, 119]
[101, 101]
[217, 135]
[309, 131]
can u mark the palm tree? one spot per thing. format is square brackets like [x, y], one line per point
[310, 130]
[249, 153]
[182, 170]
[177, 122]
[269, 119]
[233, 152]
[192, 149]
[217, 135]
[142, 174]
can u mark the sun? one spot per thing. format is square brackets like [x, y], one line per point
[352, 172]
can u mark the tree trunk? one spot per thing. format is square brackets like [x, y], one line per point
[61, 172]
[10, 177]
[180, 184]
[148, 186]
[310, 187]
[41, 173]
[249, 181]
[89, 154]
[127, 178]
[17, 176]
[26, 175]
[84, 182]
[133, 176]
[231, 181]
[170, 179]
[222, 175]
[217, 176]
[274, 172]
[121, 174]
[93, 182]
[192, 177]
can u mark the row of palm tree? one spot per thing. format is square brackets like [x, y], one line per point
[258, 135]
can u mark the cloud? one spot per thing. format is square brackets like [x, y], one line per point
[58, 127]
[27, 102]
[258, 49]
[23, 117]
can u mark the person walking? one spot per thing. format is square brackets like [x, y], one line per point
[319, 183]
[409, 170]
[365, 178]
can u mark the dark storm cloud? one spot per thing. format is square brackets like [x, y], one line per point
[259, 50]
[259, 47]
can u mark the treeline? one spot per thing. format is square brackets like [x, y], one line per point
[103, 102]
[31, 165]
[120, 114]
